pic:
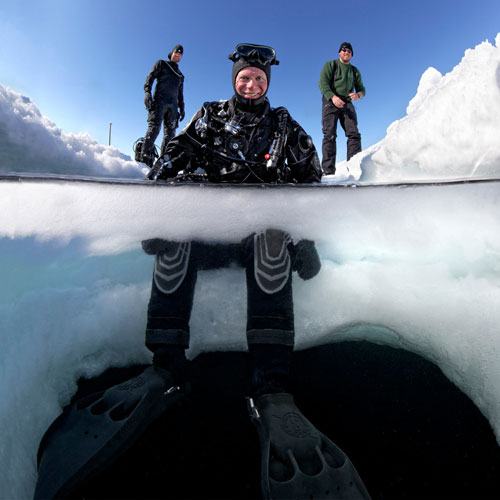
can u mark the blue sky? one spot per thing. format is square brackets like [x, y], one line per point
[84, 62]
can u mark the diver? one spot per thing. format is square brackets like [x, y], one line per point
[239, 140]
[165, 106]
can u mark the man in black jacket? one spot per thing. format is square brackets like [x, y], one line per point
[167, 104]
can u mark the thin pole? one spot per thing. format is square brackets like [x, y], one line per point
[110, 133]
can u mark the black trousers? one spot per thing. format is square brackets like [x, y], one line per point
[270, 316]
[349, 121]
[162, 112]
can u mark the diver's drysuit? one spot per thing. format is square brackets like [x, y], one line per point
[236, 143]
[166, 105]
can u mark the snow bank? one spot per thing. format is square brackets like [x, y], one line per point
[30, 142]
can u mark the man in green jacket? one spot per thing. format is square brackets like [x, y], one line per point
[340, 83]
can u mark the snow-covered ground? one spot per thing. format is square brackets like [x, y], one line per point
[416, 267]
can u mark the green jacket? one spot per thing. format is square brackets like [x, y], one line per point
[347, 78]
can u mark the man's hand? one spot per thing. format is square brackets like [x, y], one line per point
[356, 96]
[337, 102]
[148, 100]
[181, 115]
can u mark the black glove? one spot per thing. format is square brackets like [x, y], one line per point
[154, 245]
[148, 100]
[182, 115]
[305, 259]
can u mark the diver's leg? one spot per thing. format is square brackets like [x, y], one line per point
[170, 305]
[270, 319]
[155, 117]
[297, 460]
[170, 119]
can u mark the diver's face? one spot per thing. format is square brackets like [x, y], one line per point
[176, 57]
[251, 83]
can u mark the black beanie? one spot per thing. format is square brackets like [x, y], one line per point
[347, 45]
[177, 48]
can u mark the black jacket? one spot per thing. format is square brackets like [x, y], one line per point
[169, 83]
[230, 144]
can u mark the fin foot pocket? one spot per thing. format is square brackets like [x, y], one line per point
[297, 460]
[95, 430]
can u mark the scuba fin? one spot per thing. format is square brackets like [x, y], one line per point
[142, 157]
[96, 429]
[298, 461]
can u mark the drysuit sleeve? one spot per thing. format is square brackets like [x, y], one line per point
[153, 75]
[301, 156]
[180, 97]
[183, 147]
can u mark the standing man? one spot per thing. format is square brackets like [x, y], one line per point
[167, 105]
[340, 83]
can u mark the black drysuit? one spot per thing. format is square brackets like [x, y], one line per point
[230, 143]
[167, 104]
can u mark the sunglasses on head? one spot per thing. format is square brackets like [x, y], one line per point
[262, 53]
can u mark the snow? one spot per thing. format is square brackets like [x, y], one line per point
[412, 267]
[30, 142]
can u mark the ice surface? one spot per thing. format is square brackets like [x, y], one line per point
[415, 267]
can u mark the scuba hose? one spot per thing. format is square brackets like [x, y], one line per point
[236, 144]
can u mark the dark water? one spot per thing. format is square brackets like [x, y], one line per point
[408, 430]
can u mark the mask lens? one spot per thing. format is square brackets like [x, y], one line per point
[264, 53]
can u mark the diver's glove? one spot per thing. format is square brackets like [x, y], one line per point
[182, 115]
[305, 259]
[164, 168]
[154, 246]
[148, 100]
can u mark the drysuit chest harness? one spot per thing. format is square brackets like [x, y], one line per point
[241, 144]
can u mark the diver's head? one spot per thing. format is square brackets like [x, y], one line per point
[175, 55]
[252, 72]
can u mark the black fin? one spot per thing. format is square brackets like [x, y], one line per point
[298, 461]
[96, 429]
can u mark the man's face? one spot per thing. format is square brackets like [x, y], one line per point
[176, 57]
[251, 83]
[345, 55]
